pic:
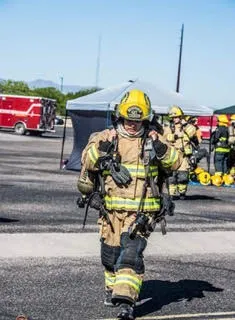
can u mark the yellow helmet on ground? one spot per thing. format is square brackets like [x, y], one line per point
[228, 179]
[198, 170]
[222, 118]
[204, 178]
[232, 118]
[232, 171]
[135, 105]
[216, 180]
[175, 111]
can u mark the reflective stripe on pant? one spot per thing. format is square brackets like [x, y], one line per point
[127, 286]
[178, 182]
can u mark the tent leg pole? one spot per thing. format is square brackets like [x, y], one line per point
[63, 140]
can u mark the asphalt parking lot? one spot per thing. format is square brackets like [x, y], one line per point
[50, 267]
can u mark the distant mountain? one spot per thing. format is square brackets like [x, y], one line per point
[40, 83]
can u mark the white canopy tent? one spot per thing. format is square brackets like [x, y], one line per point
[92, 112]
[106, 99]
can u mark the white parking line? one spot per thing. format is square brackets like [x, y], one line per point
[87, 244]
[217, 316]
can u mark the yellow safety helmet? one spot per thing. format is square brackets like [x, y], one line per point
[135, 105]
[175, 111]
[204, 178]
[222, 118]
[198, 170]
[232, 171]
[228, 179]
[216, 180]
[232, 118]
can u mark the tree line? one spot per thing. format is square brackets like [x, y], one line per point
[22, 88]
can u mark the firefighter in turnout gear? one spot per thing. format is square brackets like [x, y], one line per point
[231, 141]
[220, 143]
[198, 134]
[179, 135]
[128, 158]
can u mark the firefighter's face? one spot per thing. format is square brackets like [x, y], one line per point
[176, 120]
[132, 127]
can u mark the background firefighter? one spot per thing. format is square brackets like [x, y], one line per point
[178, 134]
[219, 141]
[122, 255]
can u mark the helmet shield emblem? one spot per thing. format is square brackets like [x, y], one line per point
[134, 113]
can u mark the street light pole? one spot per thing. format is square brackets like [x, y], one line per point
[180, 57]
[98, 63]
[61, 84]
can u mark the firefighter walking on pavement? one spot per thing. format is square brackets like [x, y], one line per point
[219, 141]
[127, 157]
[178, 134]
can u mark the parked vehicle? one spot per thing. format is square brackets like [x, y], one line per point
[59, 121]
[35, 115]
[204, 123]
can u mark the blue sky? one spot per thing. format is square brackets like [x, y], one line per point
[48, 39]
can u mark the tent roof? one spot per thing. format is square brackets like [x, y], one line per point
[106, 99]
[228, 110]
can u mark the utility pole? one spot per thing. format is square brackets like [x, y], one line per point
[180, 57]
[98, 63]
[61, 84]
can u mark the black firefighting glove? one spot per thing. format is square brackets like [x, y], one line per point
[104, 160]
[105, 146]
[120, 174]
[160, 148]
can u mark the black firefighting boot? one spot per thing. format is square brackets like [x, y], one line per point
[108, 299]
[182, 196]
[126, 312]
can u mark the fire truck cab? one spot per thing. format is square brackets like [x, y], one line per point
[35, 115]
[207, 125]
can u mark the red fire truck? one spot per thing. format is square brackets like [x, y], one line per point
[204, 123]
[23, 114]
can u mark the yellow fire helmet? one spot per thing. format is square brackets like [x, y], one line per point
[204, 178]
[223, 118]
[135, 105]
[198, 170]
[232, 118]
[232, 171]
[175, 111]
[216, 180]
[228, 179]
